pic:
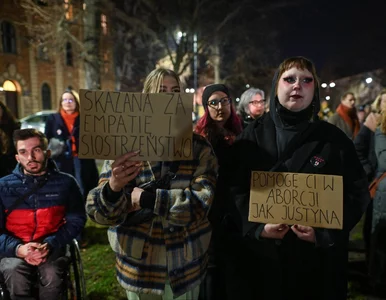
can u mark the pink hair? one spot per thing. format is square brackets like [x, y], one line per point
[206, 124]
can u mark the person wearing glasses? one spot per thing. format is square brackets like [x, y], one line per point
[63, 127]
[251, 106]
[220, 125]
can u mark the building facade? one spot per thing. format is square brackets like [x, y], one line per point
[33, 78]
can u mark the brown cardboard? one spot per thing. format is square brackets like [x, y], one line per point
[114, 123]
[294, 198]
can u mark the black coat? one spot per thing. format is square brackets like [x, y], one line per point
[365, 148]
[56, 128]
[291, 268]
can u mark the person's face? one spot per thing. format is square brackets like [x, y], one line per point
[296, 89]
[169, 85]
[256, 106]
[68, 103]
[348, 101]
[32, 157]
[382, 105]
[219, 107]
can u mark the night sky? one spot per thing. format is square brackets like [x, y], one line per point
[343, 36]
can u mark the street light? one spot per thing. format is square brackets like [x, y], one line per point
[369, 80]
[332, 84]
[324, 85]
[328, 98]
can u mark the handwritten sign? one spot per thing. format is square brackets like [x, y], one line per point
[114, 123]
[293, 198]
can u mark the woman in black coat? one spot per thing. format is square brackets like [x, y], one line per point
[278, 261]
[64, 126]
[220, 125]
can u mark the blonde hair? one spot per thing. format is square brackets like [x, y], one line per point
[376, 105]
[154, 80]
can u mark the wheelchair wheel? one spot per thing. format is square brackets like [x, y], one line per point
[76, 285]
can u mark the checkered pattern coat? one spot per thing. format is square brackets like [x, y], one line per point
[173, 245]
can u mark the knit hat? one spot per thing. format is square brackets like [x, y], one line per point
[210, 89]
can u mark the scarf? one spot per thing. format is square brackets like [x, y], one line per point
[349, 115]
[69, 120]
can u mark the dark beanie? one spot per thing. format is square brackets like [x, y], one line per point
[210, 89]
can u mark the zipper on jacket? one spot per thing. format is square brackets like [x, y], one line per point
[35, 212]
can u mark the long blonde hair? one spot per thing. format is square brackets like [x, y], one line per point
[154, 80]
[376, 105]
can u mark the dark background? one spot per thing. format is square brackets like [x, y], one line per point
[341, 37]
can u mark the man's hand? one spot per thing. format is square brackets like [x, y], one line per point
[124, 170]
[305, 233]
[38, 255]
[25, 249]
[274, 231]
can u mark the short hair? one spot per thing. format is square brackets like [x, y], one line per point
[25, 134]
[346, 94]
[77, 105]
[246, 98]
[301, 63]
[154, 80]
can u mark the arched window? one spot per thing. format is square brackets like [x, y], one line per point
[9, 86]
[8, 37]
[46, 96]
[69, 60]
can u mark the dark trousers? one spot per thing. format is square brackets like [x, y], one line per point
[367, 226]
[21, 278]
[214, 286]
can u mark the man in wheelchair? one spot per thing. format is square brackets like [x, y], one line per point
[41, 211]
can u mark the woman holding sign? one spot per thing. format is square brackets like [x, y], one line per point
[62, 131]
[158, 214]
[289, 259]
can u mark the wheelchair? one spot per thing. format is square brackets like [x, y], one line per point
[75, 285]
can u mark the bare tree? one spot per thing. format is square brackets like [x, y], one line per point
[54, 23]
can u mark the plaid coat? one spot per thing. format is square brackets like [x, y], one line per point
[174, 244]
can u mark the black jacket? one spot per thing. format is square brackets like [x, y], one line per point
[56, 128]
[365, 148]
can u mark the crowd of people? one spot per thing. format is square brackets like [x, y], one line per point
[180, 229]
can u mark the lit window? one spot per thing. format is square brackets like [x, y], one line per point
[8, 37]
[104, 24]
[68, 9]
[9, 86]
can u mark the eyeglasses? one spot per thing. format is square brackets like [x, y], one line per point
[68, 100]
[257, 103]
[224, 102]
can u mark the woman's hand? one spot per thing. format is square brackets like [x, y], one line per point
[135, 198]
[305, 233]
[274, 231]
[124, 170]
[371, 121]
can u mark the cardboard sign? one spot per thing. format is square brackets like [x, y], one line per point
[294, 198]
[114, 123]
